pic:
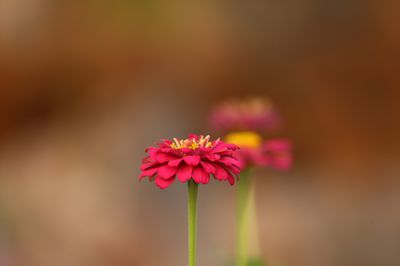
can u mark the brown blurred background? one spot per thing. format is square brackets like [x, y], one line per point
[86, 85]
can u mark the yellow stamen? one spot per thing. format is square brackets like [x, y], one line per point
[245, 139]
[204, 141]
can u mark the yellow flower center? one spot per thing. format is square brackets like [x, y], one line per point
[245, 139]
[203, 142]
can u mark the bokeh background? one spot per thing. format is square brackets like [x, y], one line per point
[86, 85]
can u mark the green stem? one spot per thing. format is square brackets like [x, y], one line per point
[192, 221]
[244, 187]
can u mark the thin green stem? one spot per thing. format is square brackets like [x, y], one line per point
[192, 221]
[244, 187]
[254, 241]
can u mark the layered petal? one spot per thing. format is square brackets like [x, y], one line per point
[165, 171]
[275, 153]
[192, 160]
[185, 173]
[162, 157]
[208, 167]
[200, 175]
[220, 172]
[175, 163]
[255, 114]
[195, 158]
[229, 161]
[212, 157]
[150, 172]
[279, 153]
[164, 183]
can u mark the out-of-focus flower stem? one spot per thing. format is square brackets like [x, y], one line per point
[243, 205]
[192, 221]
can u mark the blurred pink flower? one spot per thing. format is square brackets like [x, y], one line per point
[251, 157]
[252, 114]
[254, 151]
[278, 153]
[196, 157]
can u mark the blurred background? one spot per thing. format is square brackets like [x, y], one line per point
[86, 86]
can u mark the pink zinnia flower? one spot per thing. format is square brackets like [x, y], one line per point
[253, 114]
[254, 151]
[196, 158]
[278, 153]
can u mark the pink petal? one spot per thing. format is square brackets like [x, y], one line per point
[164, 157]
[233, 169]
[166, 149]
[192, 160]
[278, 145]
[220, 147]
[166, 142]
[187, 151]
[229, 161]
[241, 158]
[208, 167]
[193, 136]
[165, 171]
[279, 153]
[148, 165]
[231, 179]
[212, 157]
[283, 163]
[164, 183]
[176, 153]
[185, 173]
[147, 160]
[232, 146]
[175, 163]
[153, 153]
[151, 150]
[226, 153]
[150, 172]
[200, 175]
[220, 173]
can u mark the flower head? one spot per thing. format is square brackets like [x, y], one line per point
[278, 153]
[253, 114]
[196, 158]
[254, 151]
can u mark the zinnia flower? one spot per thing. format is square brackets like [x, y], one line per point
[195, 158]
[246, 124]
[254, 151]
[278, 153]
[253, 114]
